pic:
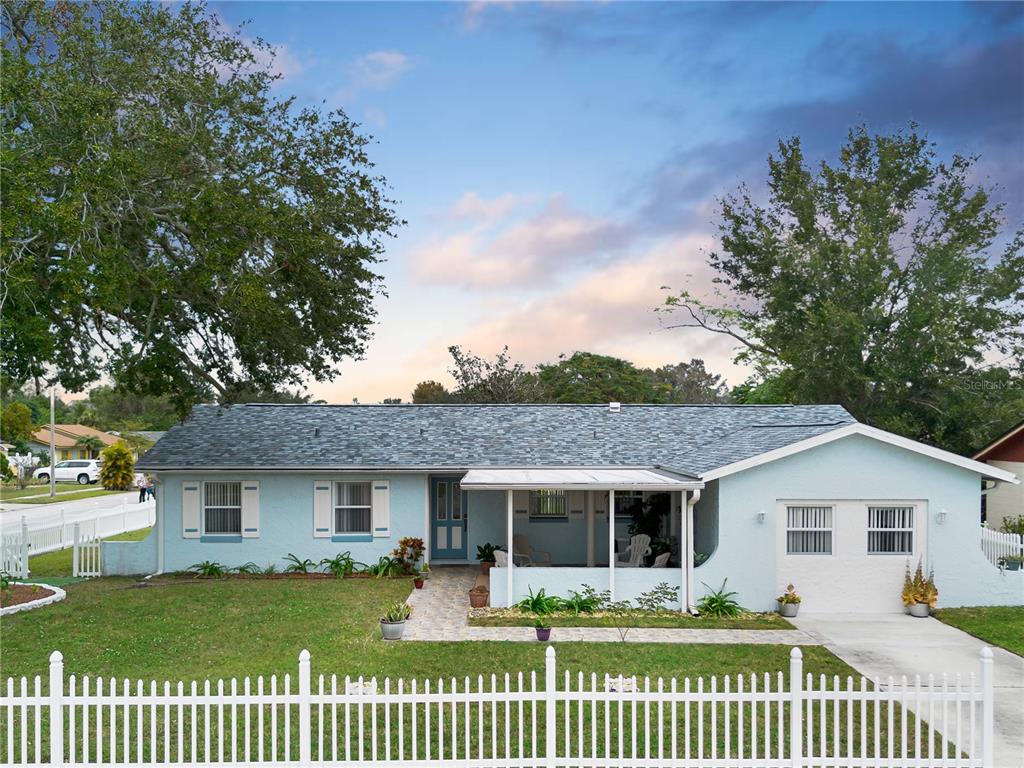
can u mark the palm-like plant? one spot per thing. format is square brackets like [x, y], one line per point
[118, 468]
[92, 444]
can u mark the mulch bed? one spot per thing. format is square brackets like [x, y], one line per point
[23, 593]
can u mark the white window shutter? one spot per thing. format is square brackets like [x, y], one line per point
[190, 509]
[250, 509]
[322, 525]
[381, 509]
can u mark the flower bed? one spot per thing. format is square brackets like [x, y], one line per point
[26, 597]
[516, 617]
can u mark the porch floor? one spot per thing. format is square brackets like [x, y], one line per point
[441, 608]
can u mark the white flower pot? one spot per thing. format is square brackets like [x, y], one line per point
[392, 630]
[920, 610]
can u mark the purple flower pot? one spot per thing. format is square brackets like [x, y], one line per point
[543, 633]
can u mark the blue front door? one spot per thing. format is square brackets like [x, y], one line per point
[448, 518]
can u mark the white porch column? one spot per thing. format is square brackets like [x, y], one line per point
[611, 545]
[687, 553]
[589, 507]
[510, 514]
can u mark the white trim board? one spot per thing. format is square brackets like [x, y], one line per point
[985, 470]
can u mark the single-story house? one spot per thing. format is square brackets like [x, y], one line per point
[1003, 500]
[756, 495]
[65, 441]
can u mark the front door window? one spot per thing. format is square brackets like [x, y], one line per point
[450, 524]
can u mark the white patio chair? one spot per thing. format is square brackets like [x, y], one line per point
[526, 555]
[639, 547]
[500, 559]
[661, 561]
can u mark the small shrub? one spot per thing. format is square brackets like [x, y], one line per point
[1014, 525]
[269, 570]
[485, 553]
[540, 604]
[658, 599]
[117, 472]
[719, 603]
[409, 551]
[790, 597]
[385, 567]
[249, 569]
[208, 569]
[918, 589]
[5, 583]
[587, 601]
[397, 612]
[339, 566]
[295, 565]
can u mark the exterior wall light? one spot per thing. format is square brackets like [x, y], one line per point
[760, 517]
[940, 518]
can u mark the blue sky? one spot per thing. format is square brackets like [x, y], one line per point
[557, 163]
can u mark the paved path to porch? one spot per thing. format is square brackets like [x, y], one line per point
[440, 613]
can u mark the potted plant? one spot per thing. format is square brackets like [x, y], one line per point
[417, 578]
[485, 554]
[392, 623]
[542, 628]
[1011, 562]
[919, 593]
[789, 602]
[478, 596]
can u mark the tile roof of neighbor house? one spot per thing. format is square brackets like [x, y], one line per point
[692, 439]
[67, 435]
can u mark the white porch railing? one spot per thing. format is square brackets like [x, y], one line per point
[506, 720]
[996, 544]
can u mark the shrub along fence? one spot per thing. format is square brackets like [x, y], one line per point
[563, 720]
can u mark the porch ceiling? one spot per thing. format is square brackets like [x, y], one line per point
[578, 479]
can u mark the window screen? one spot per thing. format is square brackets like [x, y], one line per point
[352, 508]
[809, 530]
[890, 530]
[222, 508]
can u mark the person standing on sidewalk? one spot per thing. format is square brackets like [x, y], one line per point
[140, 483]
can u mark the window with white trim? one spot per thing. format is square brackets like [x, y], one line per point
[891, 530]
[809, 530]
[352, 508]
[222, 508]
[547, 504]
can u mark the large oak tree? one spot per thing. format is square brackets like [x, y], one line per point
[168, 221]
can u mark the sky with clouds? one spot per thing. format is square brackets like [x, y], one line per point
[558, 163]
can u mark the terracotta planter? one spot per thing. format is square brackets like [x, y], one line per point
[920, 610]
[788, 610]
[418, 583]
[543, 633]
[485, 566]
[478, 598]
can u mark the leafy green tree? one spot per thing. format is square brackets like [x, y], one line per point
[431, 392]
[117, 472]
[588, 378]
[167, 221]
[7, 473]
[91, 443]
[501, 381]
[118, 409]
[16, 422]
[878, 283]
[689, 383]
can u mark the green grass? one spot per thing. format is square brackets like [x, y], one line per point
[999, 625]
[668, 620]
[67, 496]
[59, 563]
[184, 628]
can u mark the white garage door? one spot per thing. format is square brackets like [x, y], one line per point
[848, 556]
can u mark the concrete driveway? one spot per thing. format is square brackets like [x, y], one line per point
[896, 644]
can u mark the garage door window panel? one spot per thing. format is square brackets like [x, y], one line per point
[809, 530]
[891, 530]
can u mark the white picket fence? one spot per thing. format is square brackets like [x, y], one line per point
[586, 721]
[58, 532]
[996, 544]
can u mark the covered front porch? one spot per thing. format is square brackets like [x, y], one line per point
[567, 529]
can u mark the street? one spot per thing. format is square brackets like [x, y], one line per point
[39, 515]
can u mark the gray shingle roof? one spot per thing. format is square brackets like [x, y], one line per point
[689, 438]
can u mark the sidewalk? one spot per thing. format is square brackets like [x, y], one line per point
[440, 614]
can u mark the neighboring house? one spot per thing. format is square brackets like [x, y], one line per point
[66, 437]
[768, 494]
[1004, 500]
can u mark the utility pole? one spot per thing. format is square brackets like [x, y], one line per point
[53, 449]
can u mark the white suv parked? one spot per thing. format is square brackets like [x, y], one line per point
[81, 471]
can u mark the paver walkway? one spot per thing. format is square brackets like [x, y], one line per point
[440, 613]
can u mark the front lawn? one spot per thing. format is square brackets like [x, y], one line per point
[999, 625]
[185, 629]
[59, 563]
[516, 618]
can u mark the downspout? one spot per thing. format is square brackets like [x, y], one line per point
[160, 488]
[690, 503]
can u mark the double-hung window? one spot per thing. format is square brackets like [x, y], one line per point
[222, 509]
[809, 530]
[353, 509]
[891, 530]
[547, 504]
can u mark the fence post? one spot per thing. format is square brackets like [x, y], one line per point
[305, 728]
[74, 551]
[56, 709]
[796, 707]
[550, 719]
[987, 715]
[24, 547]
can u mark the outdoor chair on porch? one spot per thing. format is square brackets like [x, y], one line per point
[524, 554]
[639, 547]
[500, 559]
[661, 561]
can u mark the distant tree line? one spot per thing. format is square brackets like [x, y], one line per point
[583, 377]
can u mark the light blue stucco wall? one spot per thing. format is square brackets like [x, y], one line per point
[130, 558]
[630, 583]
[286, 520]
[855, 467]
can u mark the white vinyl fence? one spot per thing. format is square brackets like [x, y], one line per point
[507, 720]
[57, 531]
[996, 544]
